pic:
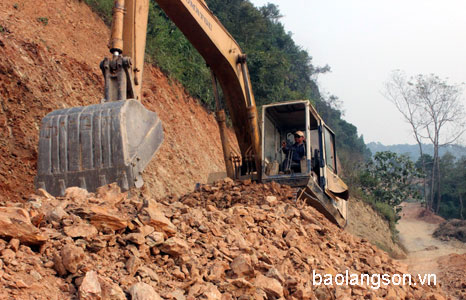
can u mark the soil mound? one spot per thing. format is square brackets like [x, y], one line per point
[430, 217]
[230, 240]
[454, 228]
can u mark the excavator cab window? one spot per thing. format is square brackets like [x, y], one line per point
[280, 123]
[330, 155]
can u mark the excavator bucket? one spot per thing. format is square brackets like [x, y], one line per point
[95, 145]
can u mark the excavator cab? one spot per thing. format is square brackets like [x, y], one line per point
[280, 123]
[316, 174]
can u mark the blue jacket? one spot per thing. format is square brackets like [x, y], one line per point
[299, 150]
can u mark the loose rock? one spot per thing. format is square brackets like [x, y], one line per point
[270, 286]
[72, 257]
[142, 291]
[174, 246]
[152, 215]
[15, 223]
[90, 287]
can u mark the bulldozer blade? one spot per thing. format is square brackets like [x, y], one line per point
[95, 145]
[332, 207]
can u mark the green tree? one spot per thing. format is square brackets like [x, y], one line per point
[391, 178]
[453, 186]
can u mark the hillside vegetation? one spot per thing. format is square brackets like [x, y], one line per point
[449, 203]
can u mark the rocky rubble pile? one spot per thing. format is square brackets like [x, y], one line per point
[231, 240]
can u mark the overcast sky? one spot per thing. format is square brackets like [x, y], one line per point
[364, 40]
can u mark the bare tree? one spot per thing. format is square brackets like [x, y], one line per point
[434, 110]
[399, 91]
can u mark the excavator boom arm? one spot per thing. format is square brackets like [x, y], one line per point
[225, 58]
[128, 37]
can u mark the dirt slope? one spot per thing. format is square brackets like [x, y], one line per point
[49, 57]
[378, 232]
[41, 69]
[452, 274]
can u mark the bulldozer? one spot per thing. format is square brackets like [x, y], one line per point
[114, 141]
[316, 174]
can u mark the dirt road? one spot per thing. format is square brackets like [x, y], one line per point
[424, 251]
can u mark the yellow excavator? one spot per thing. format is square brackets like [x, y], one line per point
[114, 141]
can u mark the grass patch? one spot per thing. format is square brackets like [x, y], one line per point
[43, 20]
[103, 8]
[384, 248]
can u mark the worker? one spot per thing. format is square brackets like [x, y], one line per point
[296, 152]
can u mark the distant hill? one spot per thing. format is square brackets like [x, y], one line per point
[413, 150]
